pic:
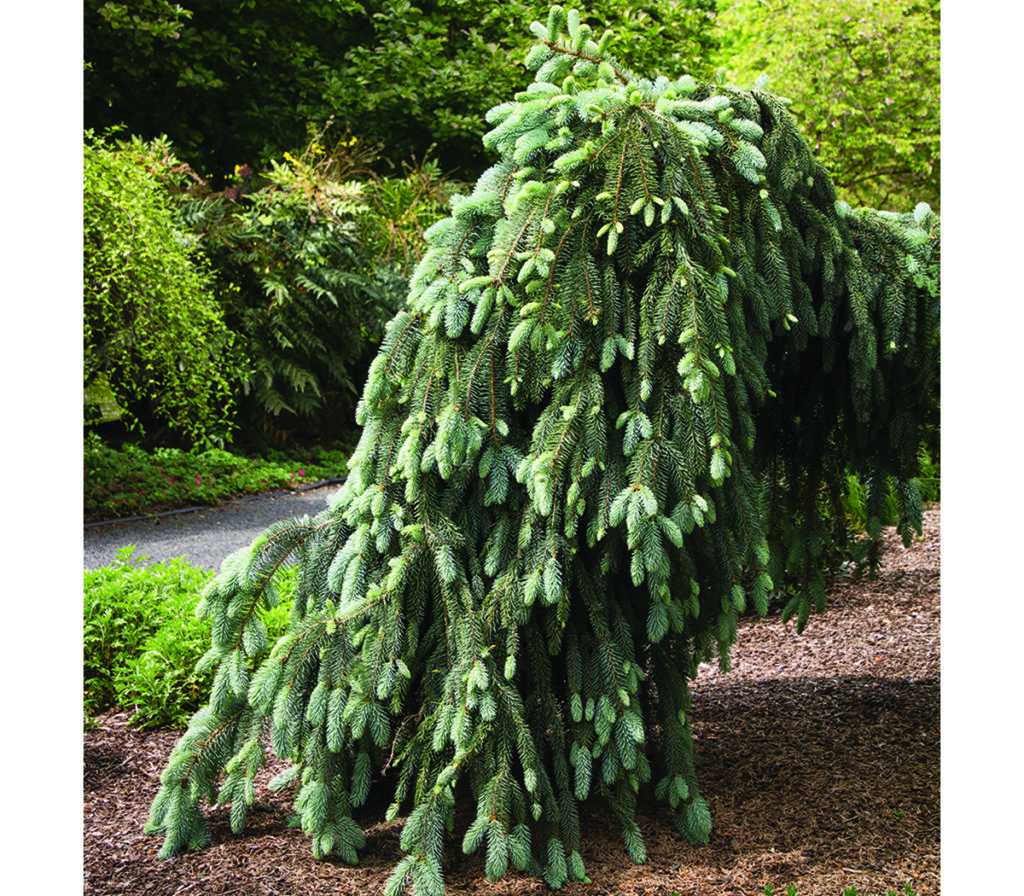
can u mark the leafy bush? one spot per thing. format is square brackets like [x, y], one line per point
[864, 80]
[164, 684]
[142, 640]
[311, 262]
[400, 210]
[154, 334]
[124, 605]
[129, 480]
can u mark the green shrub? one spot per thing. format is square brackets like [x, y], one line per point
[154, 335]
[930, 479]
[399, 210]
[311, 260]
[124, 604]
[164, 683]
[127, 481]
[427, 73]
[143, 641]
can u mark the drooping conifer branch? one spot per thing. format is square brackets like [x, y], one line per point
[635, 366]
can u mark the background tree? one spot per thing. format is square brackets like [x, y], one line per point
[434, 69]
[864, 79]
[227, 83]
[234, 83]
[636, 364]
[154, 334]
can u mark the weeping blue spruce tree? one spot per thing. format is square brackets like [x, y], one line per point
[635, 366]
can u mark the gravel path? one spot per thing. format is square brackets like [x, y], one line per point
[204, 537]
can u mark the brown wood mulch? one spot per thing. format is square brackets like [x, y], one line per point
[819, 757]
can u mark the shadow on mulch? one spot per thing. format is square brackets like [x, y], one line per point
[821, 781]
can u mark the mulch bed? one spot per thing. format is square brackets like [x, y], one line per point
[819, 757]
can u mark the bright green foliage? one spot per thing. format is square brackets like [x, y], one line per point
[154, 332]
[123, 605]
[397, 212]
[864, 79]
[142, 641]
[631, 360]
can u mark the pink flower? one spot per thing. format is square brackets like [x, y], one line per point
[300, 472]
[889, 101]
[199, 480]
